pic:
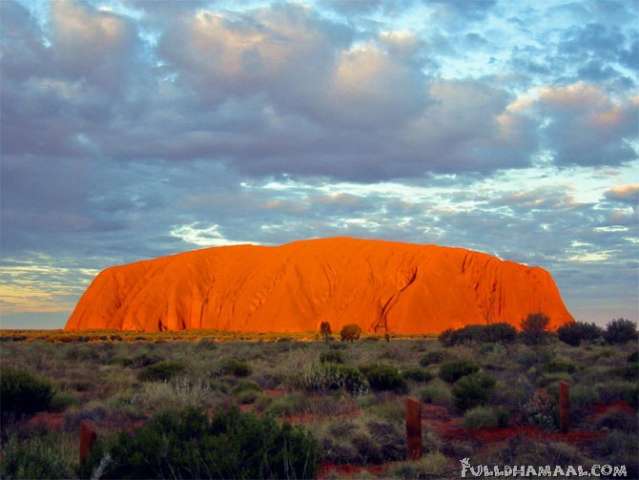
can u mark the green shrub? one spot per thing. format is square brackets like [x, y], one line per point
[615, 390]
[633, 357]
[473, 390]
[574, 333]
[528, 357]
[534, 328]
[140, 361]
[38, 457]
[248, 396]
[287, 405]
[553, 379]
[331, 376]
[618, 420]
[446, 337]
[417, 375]
[61, 401]
[233, 366]
[627, 372]
[206, 344]
[247, 392]
[467, 334]
[350, 332]
[390, 410]
[499, 332]
[162, 371]
[22, 393]
[492, 332]
[436, 393]
[431, 358]
[332, 356]
[454, 370]
[485, 417]
[186, 444]
[621, 330]
[384, 377]
[559, 365]
[582, 398]
[431, 465]
[83, 353]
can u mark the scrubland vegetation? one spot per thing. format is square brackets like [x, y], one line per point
[207, 405]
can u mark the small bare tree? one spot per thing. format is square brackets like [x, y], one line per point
[325, 330]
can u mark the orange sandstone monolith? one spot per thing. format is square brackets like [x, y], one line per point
[384, 287]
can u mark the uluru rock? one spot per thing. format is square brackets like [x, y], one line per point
[379, 285]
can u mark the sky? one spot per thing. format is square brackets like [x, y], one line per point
[133, 129]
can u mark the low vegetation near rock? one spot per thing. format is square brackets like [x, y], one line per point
[621, 330]
[492, 332]
[534, 328]
[350, 333]
[577, 332]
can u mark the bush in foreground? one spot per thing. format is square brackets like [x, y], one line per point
[576, 332]
[431, 358]
[452, 371]
[417, 374]
[485, 417]
[22, 393]
[41, 456]
[324, 377]
[186, 444]
[331, 356]
[384, 377]
[473, 390]
[235, 367]
[161, 371]
[437, 393]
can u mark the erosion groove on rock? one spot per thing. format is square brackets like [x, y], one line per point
[380, 285]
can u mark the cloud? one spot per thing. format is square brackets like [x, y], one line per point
[628, 194]
[198, 234]
[580, 124]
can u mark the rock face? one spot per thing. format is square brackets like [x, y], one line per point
[382, 286]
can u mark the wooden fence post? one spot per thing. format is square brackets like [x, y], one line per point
[87, 439]
[413, 429]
